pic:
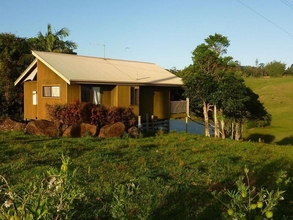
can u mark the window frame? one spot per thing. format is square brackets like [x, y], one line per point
[134, 95]
[48, 91]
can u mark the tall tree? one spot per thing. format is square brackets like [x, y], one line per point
[208, 62]
[200, 87]
[53, 42]
[212, 86]
[238, 104]
[14, 57]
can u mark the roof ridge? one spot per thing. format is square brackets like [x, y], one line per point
[100, 58]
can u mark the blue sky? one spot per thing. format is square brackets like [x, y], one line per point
[164, 32]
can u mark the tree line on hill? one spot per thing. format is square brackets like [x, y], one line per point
[271, 69]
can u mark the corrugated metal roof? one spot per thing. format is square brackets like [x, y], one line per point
[82, 69]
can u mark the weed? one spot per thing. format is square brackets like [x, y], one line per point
[246, 202]
[51, 197]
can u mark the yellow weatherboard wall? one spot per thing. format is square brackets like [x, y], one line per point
[73, 92]
[30, 110]
[154, 101]
[106, 95]
[47, 77]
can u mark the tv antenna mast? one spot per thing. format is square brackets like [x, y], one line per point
[103, 46]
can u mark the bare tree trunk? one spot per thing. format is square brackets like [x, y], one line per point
[223, 128]
[232, 130]
[240, 129]
[237, 131]
[222, 124]
[206, 119]
[216, 123]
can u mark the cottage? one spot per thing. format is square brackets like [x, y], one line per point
[61, 78]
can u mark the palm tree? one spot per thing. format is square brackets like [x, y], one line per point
[53, 42]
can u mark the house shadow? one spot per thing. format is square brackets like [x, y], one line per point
[188, 202]
[265, 138]
[197, 201]
[286, 141]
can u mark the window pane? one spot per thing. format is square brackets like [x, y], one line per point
[96, 95]
[55, 91]
[35, 100]
[85, 94]
[47, 91]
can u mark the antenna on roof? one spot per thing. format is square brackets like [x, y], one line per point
[101, 45]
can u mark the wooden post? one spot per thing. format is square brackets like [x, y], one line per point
[187, 107]
[147, 122]
[139, 122]
[152, 120]
[187, 114]
[186, 121]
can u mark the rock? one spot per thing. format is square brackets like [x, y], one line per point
[8, 124]
[80, 130]
[114, 130]
[42, 127]
[134, 132]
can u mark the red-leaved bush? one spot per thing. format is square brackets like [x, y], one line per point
[99, 115]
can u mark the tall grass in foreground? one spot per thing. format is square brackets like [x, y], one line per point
[162, 177]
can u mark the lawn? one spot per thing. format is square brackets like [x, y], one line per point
[167, 176]
[277, 96]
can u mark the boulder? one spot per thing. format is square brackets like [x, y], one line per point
[114, 130]
[80, 130]
[134, 132]
[42, 127]
[8, 124]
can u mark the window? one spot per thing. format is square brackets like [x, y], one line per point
[35, 98]
[134, 96]
[51, 91]
[91, 94]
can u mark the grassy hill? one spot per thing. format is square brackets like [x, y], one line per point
[277, 96]
[162, 177]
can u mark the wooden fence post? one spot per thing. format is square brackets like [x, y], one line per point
[187, 114]
[187, 107]
[147, 122]
[186, 124]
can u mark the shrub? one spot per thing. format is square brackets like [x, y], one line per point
[67, 114]
[99, 115]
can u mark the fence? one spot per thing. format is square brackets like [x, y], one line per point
[154, 124]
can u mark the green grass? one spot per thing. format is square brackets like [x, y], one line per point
[173, 174]
[277, 96]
